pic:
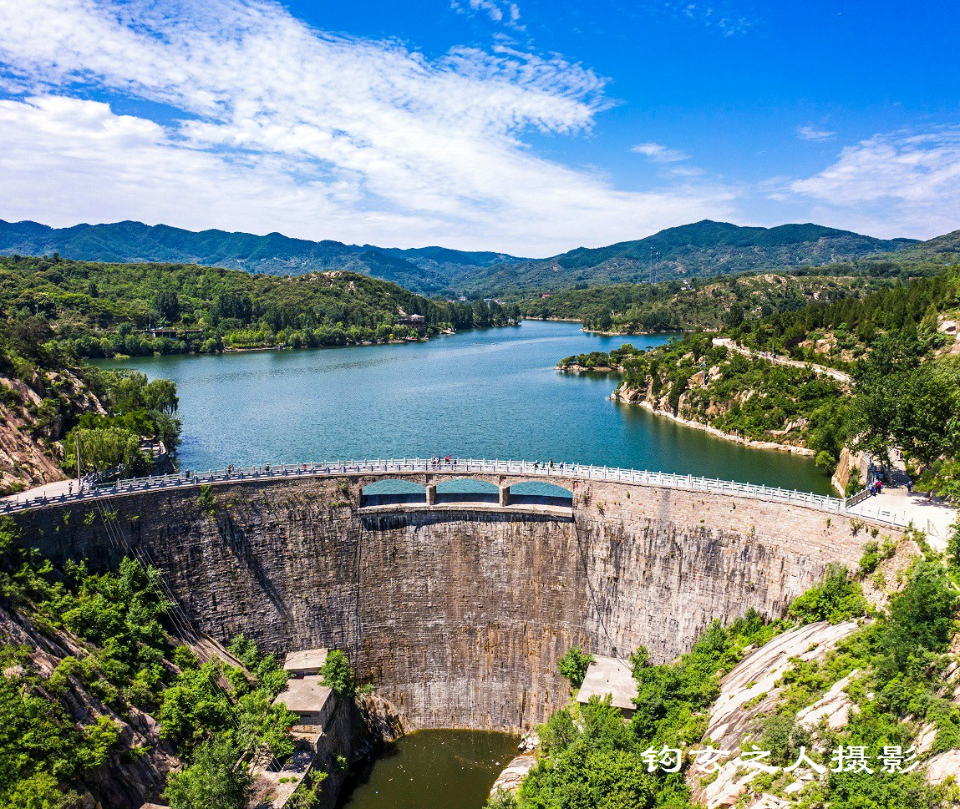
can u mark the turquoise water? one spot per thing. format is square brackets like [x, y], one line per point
[432, 769]
[489, 393]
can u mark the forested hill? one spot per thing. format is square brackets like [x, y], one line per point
[427, 269]
[700, 249]
[96, 309]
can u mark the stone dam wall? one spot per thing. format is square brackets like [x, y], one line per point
[459, 616]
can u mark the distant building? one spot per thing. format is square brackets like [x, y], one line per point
[418, 322]
[309, 699]
[607, 675]
[305, 662]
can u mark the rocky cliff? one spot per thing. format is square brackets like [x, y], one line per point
[459, 617]
[31, 421]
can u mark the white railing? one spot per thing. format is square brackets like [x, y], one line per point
[560, 471]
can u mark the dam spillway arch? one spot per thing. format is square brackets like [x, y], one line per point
[459, 612]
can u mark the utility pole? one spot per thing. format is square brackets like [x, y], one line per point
[78, 459]
[704, 366]
[653, 272]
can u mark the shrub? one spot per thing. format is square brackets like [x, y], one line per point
[205, 501]
[835, 599]
[574, 664]
[337, 674]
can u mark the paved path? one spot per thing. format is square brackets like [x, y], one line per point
[49, 490]
[840, 376]
[896, 505]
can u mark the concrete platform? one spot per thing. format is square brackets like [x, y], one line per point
[609, 676]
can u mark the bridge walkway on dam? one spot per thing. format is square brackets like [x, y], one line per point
[564, 474]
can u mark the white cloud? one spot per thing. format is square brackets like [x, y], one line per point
[900, 184]
[728, 18]
[810, 132]
[659, 153]
[283, 127]
[505, 12]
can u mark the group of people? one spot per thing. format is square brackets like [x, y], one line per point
[438, 460]
[85, 483]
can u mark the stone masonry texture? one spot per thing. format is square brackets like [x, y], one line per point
[458, 617]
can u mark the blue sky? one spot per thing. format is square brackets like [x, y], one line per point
[528, 127]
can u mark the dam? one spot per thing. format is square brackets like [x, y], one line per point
[458, 609]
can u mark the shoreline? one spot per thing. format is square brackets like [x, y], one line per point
[698, 425]
[362, 343]
[643, 333]
[582, 369]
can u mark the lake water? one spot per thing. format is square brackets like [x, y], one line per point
[488, 393]
[432, 769]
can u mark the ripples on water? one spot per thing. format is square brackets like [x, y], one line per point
[432, 769]
[483, 394]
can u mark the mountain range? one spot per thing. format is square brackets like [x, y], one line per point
[704, 248]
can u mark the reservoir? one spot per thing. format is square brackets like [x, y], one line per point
[490, 393]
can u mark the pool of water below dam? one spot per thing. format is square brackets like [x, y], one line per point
[431, 769]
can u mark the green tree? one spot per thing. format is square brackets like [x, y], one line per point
[39, 791]
[167, 305]
[104, 449]
[337, 675]
[213, 781]
[927, 422]
[574, 664]
[922, 620]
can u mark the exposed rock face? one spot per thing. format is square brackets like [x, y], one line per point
[513, 774]
[659, 408]
[753, 680]
[749, 691]
[944, 766]
[833, 707]
[459, 617]
[382, 723]
[852, 465]
[30, 425]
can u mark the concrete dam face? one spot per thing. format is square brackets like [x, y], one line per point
[458, 614]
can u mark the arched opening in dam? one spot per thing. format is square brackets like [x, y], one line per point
[386, 492]
[467, 490]
[535, 493]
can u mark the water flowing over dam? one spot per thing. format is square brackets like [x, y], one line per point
[458, 610]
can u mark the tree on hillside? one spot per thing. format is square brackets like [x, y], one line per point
[167, 305]
[213, 781]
